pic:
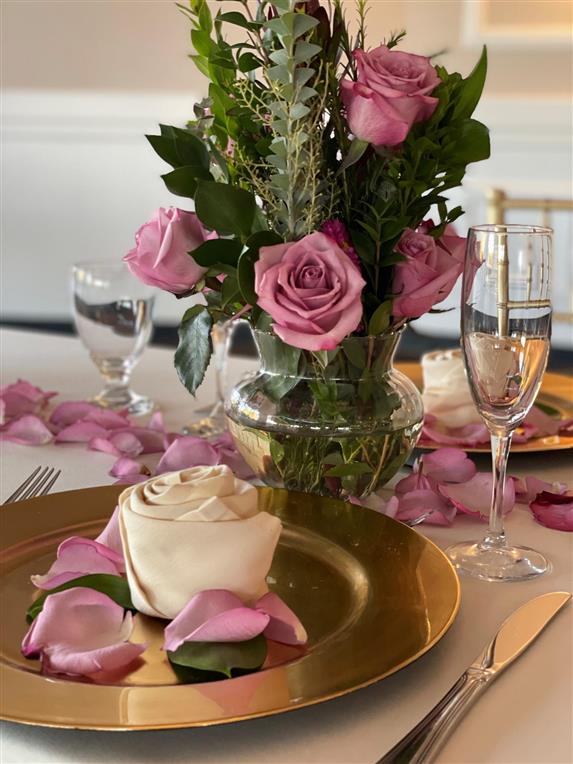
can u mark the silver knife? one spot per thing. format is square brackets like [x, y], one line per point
[515, 635]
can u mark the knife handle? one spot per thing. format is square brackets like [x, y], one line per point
[424, 741]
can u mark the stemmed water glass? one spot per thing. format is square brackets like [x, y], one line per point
[506, 328]
[113, 316]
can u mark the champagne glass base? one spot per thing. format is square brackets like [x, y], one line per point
[124, 400]
[208, 426]
[497, 563]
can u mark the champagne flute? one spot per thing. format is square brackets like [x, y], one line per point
[506, 328]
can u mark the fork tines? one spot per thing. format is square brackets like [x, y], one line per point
[39, 483]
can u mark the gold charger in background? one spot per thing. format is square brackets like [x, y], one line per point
[556, 392]
[373, 594]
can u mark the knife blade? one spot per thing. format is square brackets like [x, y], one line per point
[514, 636]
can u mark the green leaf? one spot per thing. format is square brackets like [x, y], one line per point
[214, 251]
[234, 17]
[263, 239]
[305, 51]
[183, 180]
[165, 147]
[195, 347]
[380, 318]
[190, 149]
[248, 62]
[226, 658]
[352, 468]
[355, 152]
[115, 587]
[472, 88]
[202, 42]
[471, 144]
[303, 24]
[224, 208]
[246, 277]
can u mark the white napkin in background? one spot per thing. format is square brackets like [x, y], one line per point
[184, 532]
[446, 393]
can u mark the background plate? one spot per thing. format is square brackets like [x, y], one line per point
[556, 392]
[373, 595]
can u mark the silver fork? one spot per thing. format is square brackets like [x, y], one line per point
[35, 484]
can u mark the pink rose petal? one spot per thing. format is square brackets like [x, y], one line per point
[283, 626]
[469, 435]
[553, 510]
[448, 465]
[80, 432]
[526, 490]
[124, 467]
[80, 632]
[118, 443]
[185, 452]
[70, 412]
[542, 423]
[77, 557]
[110, 537]
[425, 502]
[474, 497]
[156, 422]
[27, 430]
[228, 454]
[214, 615]
[22, 397]
[111, 420]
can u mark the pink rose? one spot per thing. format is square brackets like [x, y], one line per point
[160, 257]
[311, 288]
[391, 94]
[430, 270]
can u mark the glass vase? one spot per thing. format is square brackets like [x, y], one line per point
[336, 423]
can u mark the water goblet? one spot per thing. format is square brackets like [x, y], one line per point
[506, 328]
[113, 317]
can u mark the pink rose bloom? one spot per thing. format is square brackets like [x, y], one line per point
[311, 289]
[391, 94]
[160, 257]
[430, 270]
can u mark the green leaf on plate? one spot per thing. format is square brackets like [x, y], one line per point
[115, 587]
[221, 659]
[195, 347]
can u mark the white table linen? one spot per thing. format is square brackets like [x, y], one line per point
[524, 717]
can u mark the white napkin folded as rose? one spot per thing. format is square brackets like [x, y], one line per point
[446, 392]
[188, 531]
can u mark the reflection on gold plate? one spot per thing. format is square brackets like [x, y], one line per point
[373, 595]
[556, 394]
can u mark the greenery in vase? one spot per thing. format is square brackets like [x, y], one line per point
[314, 164]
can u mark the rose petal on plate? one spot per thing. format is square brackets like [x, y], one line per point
[214, 615]
[542, 423]
[27, 430]
[111, 420]
[284, 626]
[110, 537]
[448, 465]
[156, 422]
[185, 452]
[80, 631]
[77, 557]
[416, 481]
[81, 432]
[526, 490]
[553, 510]
[228, 454]
[469, 435]
[425, 503]
[474, 496]
[128, 468]
[152, 441]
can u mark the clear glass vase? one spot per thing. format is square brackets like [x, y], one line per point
[336, 423]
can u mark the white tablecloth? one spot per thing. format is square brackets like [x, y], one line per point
[524, 717]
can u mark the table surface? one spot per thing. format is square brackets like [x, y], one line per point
[524, 717]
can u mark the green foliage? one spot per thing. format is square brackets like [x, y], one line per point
[205, 661]
[195, 347]
[115, 587]
[225, 209]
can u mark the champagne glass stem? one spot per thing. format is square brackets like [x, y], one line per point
[500, 445]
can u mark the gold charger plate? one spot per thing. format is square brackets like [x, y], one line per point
[556, 392]
[373, 594]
